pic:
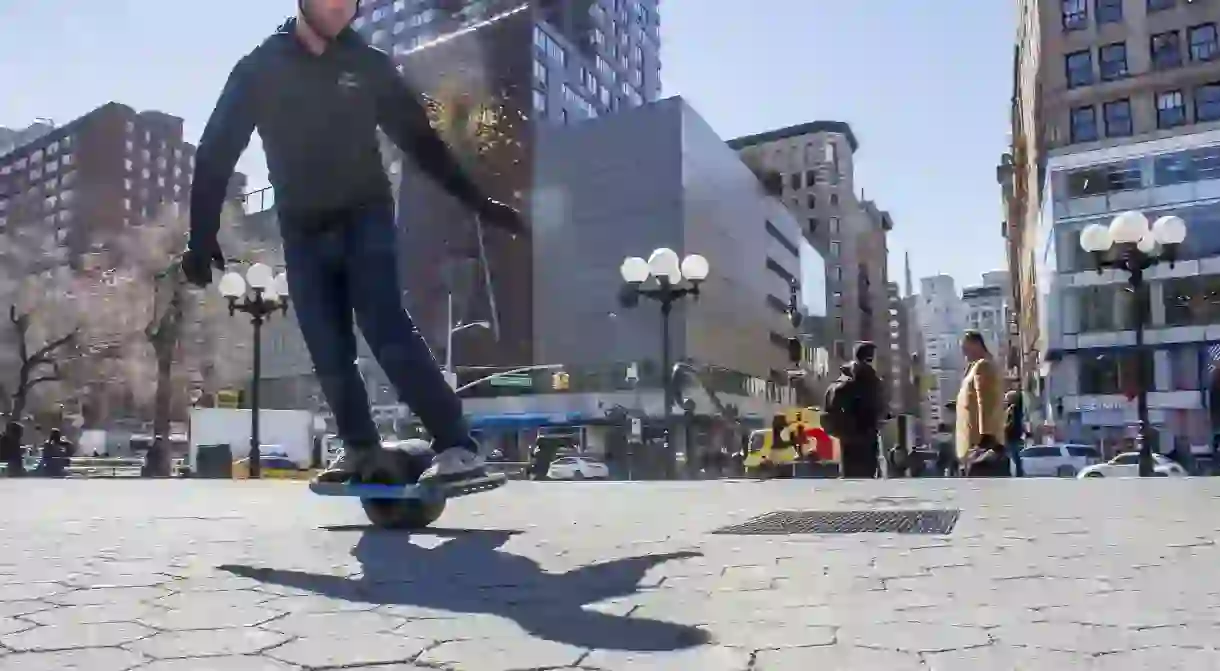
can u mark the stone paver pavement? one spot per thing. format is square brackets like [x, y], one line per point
[240, 576]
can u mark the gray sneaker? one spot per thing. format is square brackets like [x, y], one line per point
[350, 462]
[454, 465]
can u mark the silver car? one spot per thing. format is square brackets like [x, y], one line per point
[1061, 460]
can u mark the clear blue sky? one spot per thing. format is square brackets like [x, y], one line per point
[926, 89]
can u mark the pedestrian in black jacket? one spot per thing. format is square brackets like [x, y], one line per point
[317, 94]
[858, 442]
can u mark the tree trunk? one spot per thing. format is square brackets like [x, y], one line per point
[164, 334]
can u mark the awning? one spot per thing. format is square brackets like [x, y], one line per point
[523, 420]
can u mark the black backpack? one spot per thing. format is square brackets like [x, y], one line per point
[839, 410]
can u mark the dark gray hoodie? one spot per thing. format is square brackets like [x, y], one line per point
[318, 117]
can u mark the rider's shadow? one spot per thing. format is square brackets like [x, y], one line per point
[469, 573]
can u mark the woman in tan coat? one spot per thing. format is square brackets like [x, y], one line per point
[980, 413]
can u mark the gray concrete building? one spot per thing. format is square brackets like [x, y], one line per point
[654, 177]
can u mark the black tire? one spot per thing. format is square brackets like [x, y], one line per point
[1065, 472]
[1094, 474]
[578, 475]
[395, 467]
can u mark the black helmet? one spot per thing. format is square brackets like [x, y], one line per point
[305, 17]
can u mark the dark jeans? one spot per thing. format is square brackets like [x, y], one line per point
[348, 263]
[858, 457]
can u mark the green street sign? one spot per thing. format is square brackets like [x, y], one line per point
[513, 380]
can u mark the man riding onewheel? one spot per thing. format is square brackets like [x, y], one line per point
[317, 93]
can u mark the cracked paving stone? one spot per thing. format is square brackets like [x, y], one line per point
[1068, 637]
[225, 599]
[328, 650]
[317, 604]
[67, 637]
[1004, 658]
[93, 614]
[705, 658]
[206, 643]
[770, 635]
[1188, 636]
[507, 654]
[235, 663]
[458, 629]
[219, 618]
[836, 657]
[96, 581]
[11, 625]
[109, 595]
[29, 591]
[316, 624]
[1159, 659]
[914, 637]
[19, 608]
[1115, 617]
[966, 616]
[215, 583]
[100, 659]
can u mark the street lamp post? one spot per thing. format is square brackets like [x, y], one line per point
[259, 294]
[665, 279]
[1130, 244]
[450, 373]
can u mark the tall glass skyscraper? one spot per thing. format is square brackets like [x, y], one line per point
[490, 70]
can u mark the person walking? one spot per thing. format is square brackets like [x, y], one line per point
[1014, 429]
[853, 412]
[317, 94]
[11, 450]
[980, 413]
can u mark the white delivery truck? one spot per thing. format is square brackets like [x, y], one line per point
[284, 433]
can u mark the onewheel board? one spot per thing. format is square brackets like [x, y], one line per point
[408, 492]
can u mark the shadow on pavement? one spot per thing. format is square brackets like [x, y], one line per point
[468, 573]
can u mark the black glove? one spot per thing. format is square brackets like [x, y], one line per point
[197, 264]
[501, 216]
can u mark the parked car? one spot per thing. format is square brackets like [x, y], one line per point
[577, 468]
[1127, 465]
[1062, 460]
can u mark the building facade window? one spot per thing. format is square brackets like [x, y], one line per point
[1117, 114]
[1112, 61]
[1102, 179]
[1079, 68]
[1075, 14]
[1109, 11]
[1207, 103]
[1166, 49]
[1158, 5]
[1204, 42]
[1084, 124]
[1170, 109]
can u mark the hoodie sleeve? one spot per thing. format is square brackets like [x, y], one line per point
[402, 116]
[225, 137]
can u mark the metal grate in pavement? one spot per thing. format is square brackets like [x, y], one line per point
[789, 522]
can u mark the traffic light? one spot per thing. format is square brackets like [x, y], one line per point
[560, 381]
[795, 351]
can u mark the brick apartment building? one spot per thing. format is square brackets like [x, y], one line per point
[111, 168]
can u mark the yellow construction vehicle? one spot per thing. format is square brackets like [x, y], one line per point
[800, 433]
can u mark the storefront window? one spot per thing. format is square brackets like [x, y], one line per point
[1105, 372]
